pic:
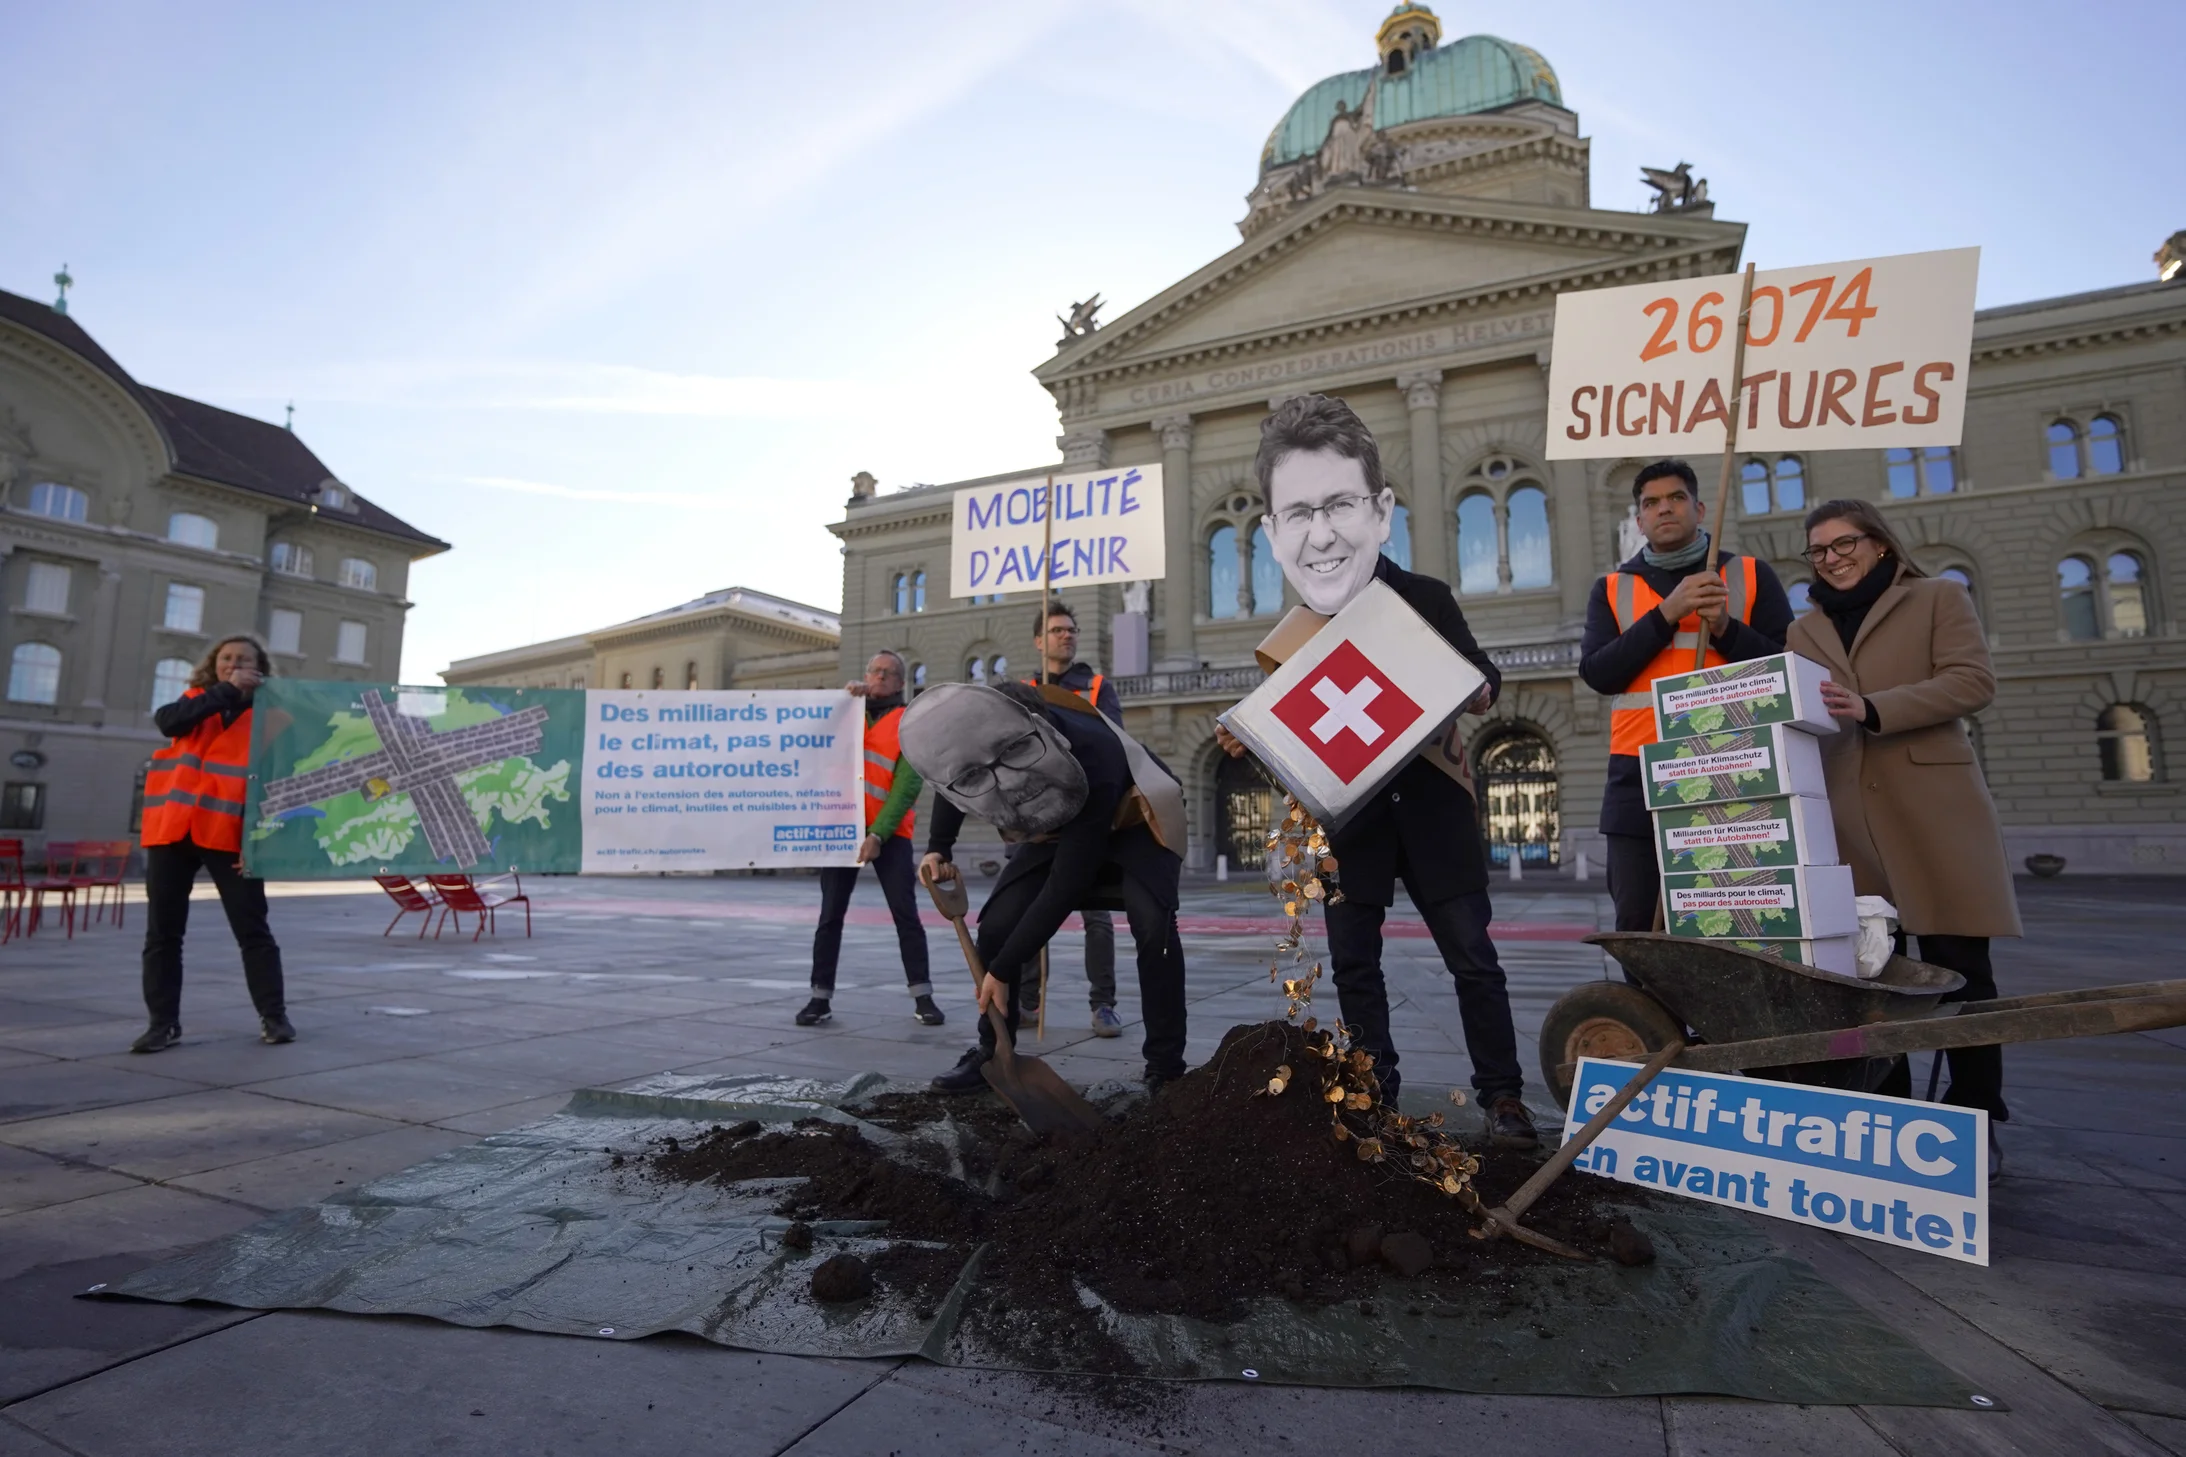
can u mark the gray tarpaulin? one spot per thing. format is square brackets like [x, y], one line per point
[537, 1229]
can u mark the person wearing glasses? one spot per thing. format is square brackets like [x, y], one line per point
[1329, 512]
[1055, 638]
[1908, 664]
[1643, 622]
[891, 789]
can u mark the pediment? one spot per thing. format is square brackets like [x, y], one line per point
[1360, 255]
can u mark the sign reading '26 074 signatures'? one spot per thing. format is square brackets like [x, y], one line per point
[1839, 356]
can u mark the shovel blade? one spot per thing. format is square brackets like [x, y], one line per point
[1039, 1096]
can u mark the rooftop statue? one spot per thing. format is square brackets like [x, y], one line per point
[1675, 189]
[1082, 321]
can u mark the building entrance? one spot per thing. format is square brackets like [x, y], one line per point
[1517, 773]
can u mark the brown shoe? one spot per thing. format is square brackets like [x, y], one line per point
[1510, 1125]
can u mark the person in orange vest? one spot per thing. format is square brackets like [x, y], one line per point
[193, 819]
[1055, 637]
[1642, 623]
[891, 789]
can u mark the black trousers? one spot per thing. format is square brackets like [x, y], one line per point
[1460, 929]
[1977, 1073]
[1635, 880]
[896, 868]
[1161, 965]
[1100, 958]
[169, 872]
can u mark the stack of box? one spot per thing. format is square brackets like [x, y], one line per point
[1742, 825]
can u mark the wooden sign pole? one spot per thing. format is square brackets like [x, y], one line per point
[1735, 406]
[1047, 578]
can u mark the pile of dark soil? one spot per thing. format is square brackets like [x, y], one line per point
[1195, 1203]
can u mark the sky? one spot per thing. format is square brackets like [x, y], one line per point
[617, 299]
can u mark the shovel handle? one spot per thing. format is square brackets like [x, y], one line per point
[1004, 1047]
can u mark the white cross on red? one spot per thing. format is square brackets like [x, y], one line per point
[1346, 710]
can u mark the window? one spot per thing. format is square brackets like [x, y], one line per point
[1502, 531]
[1518, 793]
[1929, 471]
[918, 591]
[2104, 596]
[170, 679]
[660, 677]
[1267, 575]
[975, 670]
[333, 495]
[136, 797]
[64, 503]
[285, 630]
[349, 643]
[186, 528]
[2125, 736]
[999, 669]
[899, 593]
[185, 608]
[918, 676]
[2099, 450]
[2105, 446]
[2064, 450]
[359, 573]
[291, 560]
[1961, 576]
[1222, 572]
[1476, 551]
[626, 680]
[1398, 548]
[1527, 510]
[45, 587]
[23, 807]
[690, 676]
[1798, 592]
[1766, 486]
[34, 673]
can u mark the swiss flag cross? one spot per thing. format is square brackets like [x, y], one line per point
[1347, 711]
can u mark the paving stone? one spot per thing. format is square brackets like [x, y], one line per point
[191, 1132]
[415, 1090]
[46, 1089]
[283, 1181]
[32, 1180]
[1703, 1428]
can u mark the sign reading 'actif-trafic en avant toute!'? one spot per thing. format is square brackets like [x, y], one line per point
[1839, 356]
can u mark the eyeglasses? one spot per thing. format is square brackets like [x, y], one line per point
[1341, 512]
[1841, 547]
[1019, 753]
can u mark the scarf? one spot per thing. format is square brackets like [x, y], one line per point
[1848, 608]
[877, 707]
[1684, 559]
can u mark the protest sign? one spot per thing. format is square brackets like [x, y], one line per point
[1859, 355]
[1893, 1170]
[1107, 527]
[356, 779]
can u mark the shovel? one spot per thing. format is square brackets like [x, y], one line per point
[1035, 1091]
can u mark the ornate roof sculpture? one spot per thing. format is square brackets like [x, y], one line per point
[1417, 119]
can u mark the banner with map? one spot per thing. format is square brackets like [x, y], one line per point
[351, 780]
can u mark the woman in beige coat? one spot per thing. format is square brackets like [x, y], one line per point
[1913, 815]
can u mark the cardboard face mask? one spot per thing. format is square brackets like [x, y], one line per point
[994, 758]
[1326, 526]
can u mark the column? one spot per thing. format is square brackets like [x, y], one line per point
[1431, 527]
[1182, 592]
[103, 629]
[1244, 569]
[1085, 449]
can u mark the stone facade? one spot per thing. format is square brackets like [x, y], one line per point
[137, 528]
[734, 638]
[1428, 305]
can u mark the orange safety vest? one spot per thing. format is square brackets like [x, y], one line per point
[883, 746]
[196, 785]
[1632, 712]
[1091, 692]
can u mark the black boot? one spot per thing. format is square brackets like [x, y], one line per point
[814, 1013]
[927, 1013]
[965, 1077]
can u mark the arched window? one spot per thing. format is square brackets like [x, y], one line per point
[64, 503]
[999, 669]
[291, 560]
[2076, 589]
[626, 680]
[1527, 509]
[1798, 593]
[2064, 449]
[1518, 789]
[1399, 546]
[2125, 737]
[170, 678]
[2105, 446]
[34, 673]
[1961, 576]
[1766, 486]
[975, 670]
[918, 677]
[1245, 807]
[918, 591]
[1267, 575]
[359, 573]
[1222, 572]
[2123, 577]
[1927, 471]
[690, 676]
[187, 528]
[900, 592]
[1476, 544]
[1753, 487]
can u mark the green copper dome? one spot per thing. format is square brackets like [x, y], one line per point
[1478, 73]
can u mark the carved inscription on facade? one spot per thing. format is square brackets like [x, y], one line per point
[1289, 369]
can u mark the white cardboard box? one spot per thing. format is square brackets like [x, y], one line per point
[1745, 834]
[1350, 707]
[1759, 763]
[1791, 903]
[1838, 954]
[1783, 688]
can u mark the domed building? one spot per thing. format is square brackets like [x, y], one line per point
[1409, 228]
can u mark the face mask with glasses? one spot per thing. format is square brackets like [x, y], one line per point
[1020, 753]
[1342, 511]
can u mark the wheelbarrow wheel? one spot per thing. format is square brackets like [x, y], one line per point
[1606, 1019]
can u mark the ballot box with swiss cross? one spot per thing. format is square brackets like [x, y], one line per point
[1344, 712]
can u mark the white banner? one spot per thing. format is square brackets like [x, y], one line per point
[1839, 356]
[1107, 529]
[721, 780]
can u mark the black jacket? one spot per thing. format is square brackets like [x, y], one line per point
[1423, 823]
[178, 718]
[1083, 865]
[1610, 660]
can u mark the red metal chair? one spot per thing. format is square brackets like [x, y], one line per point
[14, 891]
[460, 896]
[102, 874]
[60, 880]
[407, 898]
